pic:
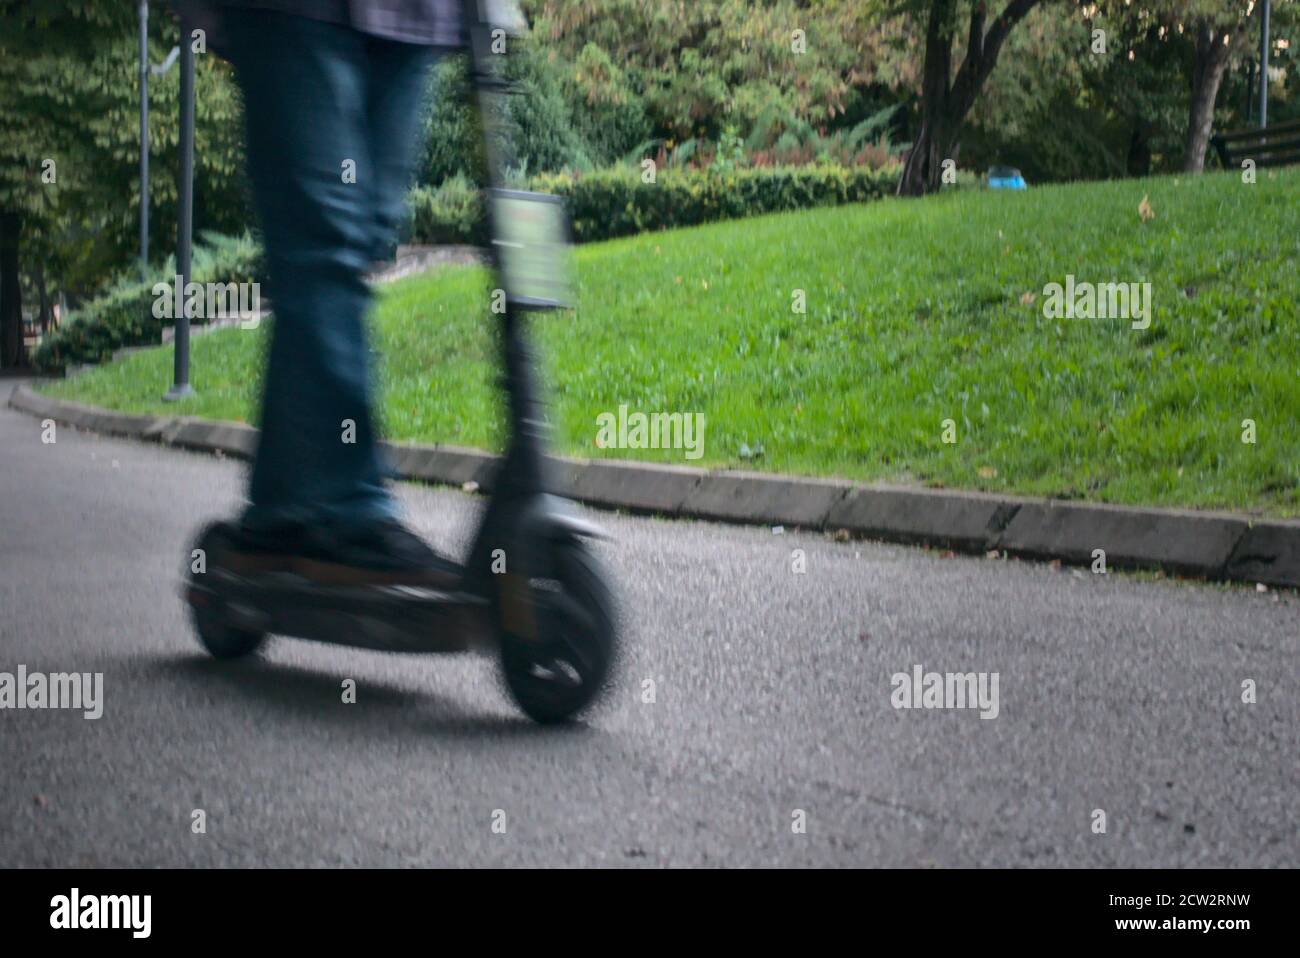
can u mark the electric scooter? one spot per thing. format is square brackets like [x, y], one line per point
[530, 591]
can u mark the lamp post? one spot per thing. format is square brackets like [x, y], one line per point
[184, 221]
[144, 137]
[1263, 65]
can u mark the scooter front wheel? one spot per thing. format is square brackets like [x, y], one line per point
[219, 637]
[564, 666]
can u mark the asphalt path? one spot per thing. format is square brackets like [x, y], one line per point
[768, 736]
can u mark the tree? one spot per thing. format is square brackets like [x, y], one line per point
[1212, 46]
[1211, 33]
[700, 66]
[1140, 83]
[69, 184]
[36, 143]
[947, 99]
[1221, 30]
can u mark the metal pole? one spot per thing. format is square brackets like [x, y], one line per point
[184, 218]
[144, 137]
[1263, 66]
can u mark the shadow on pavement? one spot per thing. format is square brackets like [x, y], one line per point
[313, 695]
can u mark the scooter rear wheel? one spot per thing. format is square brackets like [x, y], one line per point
[222, 640]
[563, 670]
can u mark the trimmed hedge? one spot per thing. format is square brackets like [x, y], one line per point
[123, 316]
[615, 202]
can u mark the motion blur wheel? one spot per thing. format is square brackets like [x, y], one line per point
[563, 666]
[221, 639]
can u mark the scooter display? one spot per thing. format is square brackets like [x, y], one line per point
[530, 590]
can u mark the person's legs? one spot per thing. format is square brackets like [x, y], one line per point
[308, 91]
[396, 83]
[394, 101]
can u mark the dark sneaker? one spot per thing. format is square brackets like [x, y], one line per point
[383, 552]
[283, 539]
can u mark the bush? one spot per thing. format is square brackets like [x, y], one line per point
[453, 213]
[616, 202]
[538, 117]
[123, 315]
[608, 113]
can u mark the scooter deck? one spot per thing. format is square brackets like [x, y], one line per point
[389, 618]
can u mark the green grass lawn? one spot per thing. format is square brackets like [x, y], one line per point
[916, 313]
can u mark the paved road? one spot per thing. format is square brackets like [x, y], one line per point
[772, 694]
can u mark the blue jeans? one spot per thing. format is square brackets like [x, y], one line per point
[332, 117]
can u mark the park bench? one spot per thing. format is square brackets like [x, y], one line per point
[1276, 145]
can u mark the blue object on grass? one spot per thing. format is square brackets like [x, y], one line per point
[1006, 178]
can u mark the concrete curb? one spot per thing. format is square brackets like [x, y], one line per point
[1213, 545]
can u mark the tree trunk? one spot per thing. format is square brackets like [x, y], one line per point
[923, 169]
[1207, 72]
[43, 317]
[12, 352]
[944, 104]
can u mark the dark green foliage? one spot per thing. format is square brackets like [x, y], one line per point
[123, 315]
[69, 93]
[616, 202]
[451, 214]
[539, 115]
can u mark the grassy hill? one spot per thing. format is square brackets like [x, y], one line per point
[917, 312]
